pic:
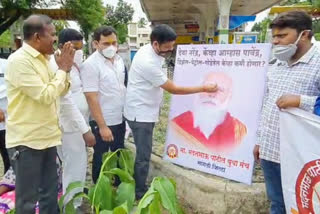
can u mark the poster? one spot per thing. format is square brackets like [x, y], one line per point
[216, 133]
[300, 161]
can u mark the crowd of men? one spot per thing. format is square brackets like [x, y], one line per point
[52, 93]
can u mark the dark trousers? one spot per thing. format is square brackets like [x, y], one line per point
[3, 151]
[142, 134]
[272, 177]
[118, 132]
[36, 179]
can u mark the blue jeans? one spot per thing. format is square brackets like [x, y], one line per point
[272, 177]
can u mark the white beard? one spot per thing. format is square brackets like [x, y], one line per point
[207, 118]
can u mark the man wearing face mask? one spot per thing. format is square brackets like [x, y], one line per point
[73, 118]
[292, 81]
[102, 75]
[147, 79]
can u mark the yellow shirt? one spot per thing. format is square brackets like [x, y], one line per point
[32, 90]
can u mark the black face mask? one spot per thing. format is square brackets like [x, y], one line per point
[165, 54]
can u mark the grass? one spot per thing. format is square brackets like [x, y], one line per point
[159, 134]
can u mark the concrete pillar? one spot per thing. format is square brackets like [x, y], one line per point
[224, 13]
[202, 29]
[207, 20]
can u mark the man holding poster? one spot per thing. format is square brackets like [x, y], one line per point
[293, 81]
[147, 79]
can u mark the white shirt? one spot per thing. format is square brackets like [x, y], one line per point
[98, 74]
[71, 118]
[144, 94]
[3, 92]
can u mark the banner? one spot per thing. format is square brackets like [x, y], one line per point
[300, 161]
[216, 132]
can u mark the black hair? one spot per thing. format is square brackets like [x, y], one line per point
[296, 19]
[67, 35]
[103, 30]
[163, 33]
[35, 24]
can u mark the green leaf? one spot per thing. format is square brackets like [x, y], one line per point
[174, 183]
[126, 194]
[105, 212]
[167, 194]
[145, 201]
[155, 206]
[123, 175]
[111, 160]
[179, 209]
[72, 186]
[90, 194]
[102, 195]
[122, 209]
[69, 209]
[126, 161]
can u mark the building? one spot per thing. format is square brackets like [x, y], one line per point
[138, 36]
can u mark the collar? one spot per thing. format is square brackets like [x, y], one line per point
[33, 52]
[305, 59]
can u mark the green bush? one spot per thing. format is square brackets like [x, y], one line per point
[106, 199]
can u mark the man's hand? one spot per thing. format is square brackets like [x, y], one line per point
[64, 60]
[89, 139]
[210, 88]
[2, 116]
[256, 153]
[288, 100]
[106, 134]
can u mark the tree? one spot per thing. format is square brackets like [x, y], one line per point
[60, 25]
[88, 13]
[11, 10]
[142, 22]
[119, 18]
[5, 39]
[262, 28]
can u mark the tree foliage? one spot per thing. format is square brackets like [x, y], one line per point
[5, 39]
[262, 28]
[89, 14]
[142, 22]
[11, 10]
[119, 17]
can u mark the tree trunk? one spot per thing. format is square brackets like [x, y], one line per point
[8, 22]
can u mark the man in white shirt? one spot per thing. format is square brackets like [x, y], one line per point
[3, 112]
[147, 79]
[102, 75]
[73, 118]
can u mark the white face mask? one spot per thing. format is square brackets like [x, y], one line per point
[285, 52]
[78, 57]
[109, 52]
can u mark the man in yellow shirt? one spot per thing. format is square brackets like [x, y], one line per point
[33, 127]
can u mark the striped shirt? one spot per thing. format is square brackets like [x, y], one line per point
[301, 78]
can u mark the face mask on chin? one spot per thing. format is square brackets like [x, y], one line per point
[109, 52]
[286, 52]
